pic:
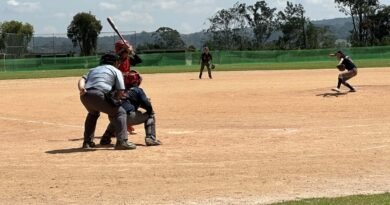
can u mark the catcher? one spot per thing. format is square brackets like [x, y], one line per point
[135, 98]
[348, 70]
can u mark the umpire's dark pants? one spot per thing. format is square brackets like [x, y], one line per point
[94, 101]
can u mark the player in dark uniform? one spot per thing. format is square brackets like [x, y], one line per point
[134, 99]
[205, 59]
[351, 71]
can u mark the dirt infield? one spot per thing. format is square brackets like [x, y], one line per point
[251, 137]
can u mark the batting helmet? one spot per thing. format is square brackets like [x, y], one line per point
[121, 46]
[132, 79]
[109, 58]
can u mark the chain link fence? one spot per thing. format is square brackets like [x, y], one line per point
[14, 46]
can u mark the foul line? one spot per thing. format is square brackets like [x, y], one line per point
[39, 122]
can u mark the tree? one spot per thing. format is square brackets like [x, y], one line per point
[380, 26]
[84, 31]
[227, 28]
[319, 37]
[167, 38]
[359, 10]
[260, 18]
[15, 37]
[292, 23]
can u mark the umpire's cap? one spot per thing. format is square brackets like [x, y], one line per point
[109, 58]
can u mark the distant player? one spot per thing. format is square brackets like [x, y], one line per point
[348, 68]
[205, 60]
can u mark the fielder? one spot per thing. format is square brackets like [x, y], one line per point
[205, 60]
[135, 98]
[348, 70]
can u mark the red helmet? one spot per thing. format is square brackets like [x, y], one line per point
[132, 79]
[121, 46]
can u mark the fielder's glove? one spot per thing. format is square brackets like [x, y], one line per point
[212, 66]
[341, 67]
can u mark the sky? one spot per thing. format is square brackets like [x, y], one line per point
[185, 16]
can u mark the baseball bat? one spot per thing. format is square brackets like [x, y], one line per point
[112, 24]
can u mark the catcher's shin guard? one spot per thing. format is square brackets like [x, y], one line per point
[150, 126]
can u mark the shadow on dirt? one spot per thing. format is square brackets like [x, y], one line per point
[69, 151]
[97, 148]
[333, 94]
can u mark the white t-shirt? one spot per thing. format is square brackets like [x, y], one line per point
[104, 78]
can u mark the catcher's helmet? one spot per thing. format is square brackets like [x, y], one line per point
[109, 58]
[132, 79]
[121, 46]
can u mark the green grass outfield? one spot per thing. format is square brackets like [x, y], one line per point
[376, 199]
[366, 63]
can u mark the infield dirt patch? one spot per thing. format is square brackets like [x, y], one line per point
[242, 138]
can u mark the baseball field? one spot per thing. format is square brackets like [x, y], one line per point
[245, 137]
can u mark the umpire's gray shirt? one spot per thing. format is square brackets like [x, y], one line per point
[103, 78]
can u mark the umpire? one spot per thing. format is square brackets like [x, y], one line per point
[95, 88]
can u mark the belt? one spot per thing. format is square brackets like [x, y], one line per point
[91, 89]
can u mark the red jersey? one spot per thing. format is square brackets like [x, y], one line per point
[125, 65]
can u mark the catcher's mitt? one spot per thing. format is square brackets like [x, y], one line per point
[212, 66]
[341, 67]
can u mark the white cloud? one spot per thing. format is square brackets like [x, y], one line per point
[108, 6]
[23, 7]
[135, 18]
[12, 3]
[168, 5]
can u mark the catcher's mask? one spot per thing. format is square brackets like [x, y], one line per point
[121, 46]
[133, 79]
[109, 58]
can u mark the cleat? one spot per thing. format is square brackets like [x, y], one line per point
[336, 90]
[124, 145]
[88, 145]
[352, 91]
[131, 130]
[105, 140]
[152, 142]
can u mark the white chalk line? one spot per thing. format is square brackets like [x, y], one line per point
[39, 122]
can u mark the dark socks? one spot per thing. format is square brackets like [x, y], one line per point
[348, 85]
[339, 83]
